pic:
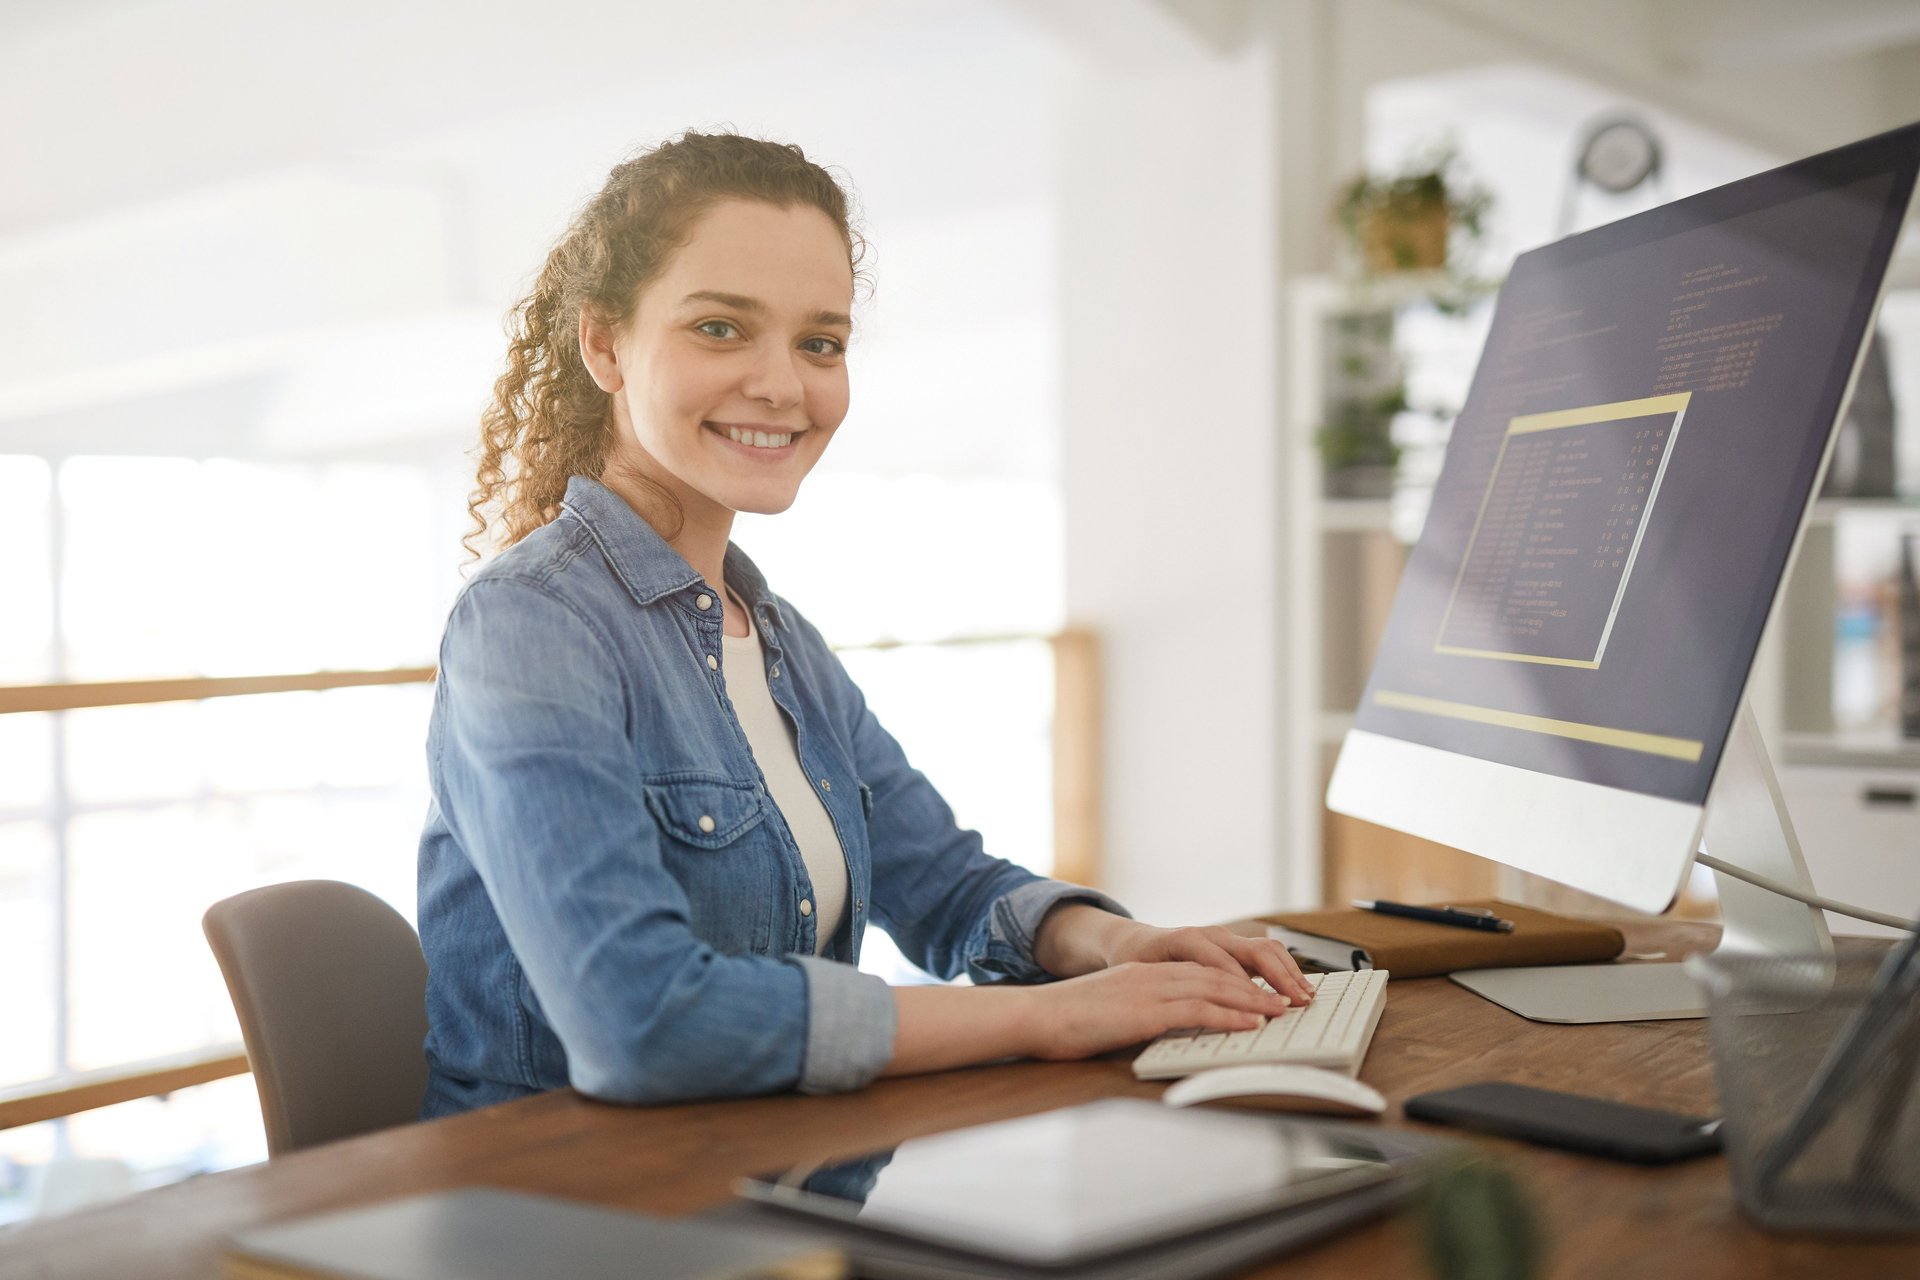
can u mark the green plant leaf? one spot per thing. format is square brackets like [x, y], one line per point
[1480, 1224]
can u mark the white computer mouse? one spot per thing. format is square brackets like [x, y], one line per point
[1277, 1087]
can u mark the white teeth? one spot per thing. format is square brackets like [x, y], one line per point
[760, 439]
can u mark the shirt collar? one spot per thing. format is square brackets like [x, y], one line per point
[646, 563]
[744, 576]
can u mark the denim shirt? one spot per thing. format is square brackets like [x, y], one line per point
[609, 899]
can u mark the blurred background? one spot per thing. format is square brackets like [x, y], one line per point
[1144, 405]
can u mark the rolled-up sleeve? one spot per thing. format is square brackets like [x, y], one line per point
[850, 1024]
[1015, 920]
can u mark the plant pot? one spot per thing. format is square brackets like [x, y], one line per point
[1372, 481]
[1405, 239]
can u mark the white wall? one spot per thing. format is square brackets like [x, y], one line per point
[1167, 330]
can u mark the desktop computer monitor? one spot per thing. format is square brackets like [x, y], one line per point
[1560, 684]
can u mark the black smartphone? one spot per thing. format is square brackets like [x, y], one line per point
[1596, 1126]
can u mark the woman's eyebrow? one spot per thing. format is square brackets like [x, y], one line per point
[753, 306]
[738, 301]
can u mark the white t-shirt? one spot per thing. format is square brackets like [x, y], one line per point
[744, 667]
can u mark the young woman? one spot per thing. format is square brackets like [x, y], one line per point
[663, 816]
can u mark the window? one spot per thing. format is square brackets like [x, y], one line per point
[119, 825]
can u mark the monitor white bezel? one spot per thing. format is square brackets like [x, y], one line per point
[1633, 849]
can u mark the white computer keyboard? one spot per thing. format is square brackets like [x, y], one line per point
[1331, 1031]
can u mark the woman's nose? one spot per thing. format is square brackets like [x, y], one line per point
[775, 381]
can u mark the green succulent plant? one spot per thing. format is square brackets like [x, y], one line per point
[1480, 1223]
[1359, 432]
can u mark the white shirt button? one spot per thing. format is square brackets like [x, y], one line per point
[806, 908]
[713, 663]
[825, 785]
[703, 601]
[706, 822]
[776, 673]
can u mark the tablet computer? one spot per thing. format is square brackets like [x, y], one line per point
[1062, 1187]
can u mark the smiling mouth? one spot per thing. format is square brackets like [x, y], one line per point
[753, 438]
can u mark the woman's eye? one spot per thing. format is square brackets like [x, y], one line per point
[823, 347]
[717, 329]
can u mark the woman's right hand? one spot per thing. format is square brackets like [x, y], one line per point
[1131, 1003]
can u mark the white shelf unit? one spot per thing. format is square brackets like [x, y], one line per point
[1330, 632]
[1355, 515]
[1853, 791]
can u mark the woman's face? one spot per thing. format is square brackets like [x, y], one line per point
[732, 375]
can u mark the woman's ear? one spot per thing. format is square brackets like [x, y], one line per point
[597, 352]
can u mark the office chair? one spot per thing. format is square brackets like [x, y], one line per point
[330, 986]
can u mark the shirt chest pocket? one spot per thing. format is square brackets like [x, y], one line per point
[703, 810]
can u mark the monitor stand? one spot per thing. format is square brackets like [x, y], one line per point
[1746, 825]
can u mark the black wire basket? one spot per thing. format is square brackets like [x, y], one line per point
[1819, 1075]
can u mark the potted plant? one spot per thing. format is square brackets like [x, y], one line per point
[1405, 222]
[1357, 444]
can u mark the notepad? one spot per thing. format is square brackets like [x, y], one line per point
[1348, 938]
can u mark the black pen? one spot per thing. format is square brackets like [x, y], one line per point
[1459, 917]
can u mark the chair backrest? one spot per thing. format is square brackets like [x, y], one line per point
[330, 985]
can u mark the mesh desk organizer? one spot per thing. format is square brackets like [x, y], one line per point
[1818, 1063]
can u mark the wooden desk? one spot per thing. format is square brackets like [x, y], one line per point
[1604, 1219]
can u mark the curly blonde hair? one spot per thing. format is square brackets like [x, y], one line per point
[548, 421]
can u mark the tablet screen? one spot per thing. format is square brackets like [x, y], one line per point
[1067, 1185]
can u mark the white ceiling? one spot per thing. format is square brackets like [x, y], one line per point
[276, 229]
[234, 227]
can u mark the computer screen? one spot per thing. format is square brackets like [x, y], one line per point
[1627, 477]
[1563, 669]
